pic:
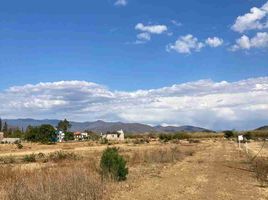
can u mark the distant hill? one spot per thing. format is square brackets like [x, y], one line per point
[263, 128]
[102, 126]
[180, 128]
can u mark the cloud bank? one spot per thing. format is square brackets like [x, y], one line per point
[216, 105]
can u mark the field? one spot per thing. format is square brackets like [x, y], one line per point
[211, 168]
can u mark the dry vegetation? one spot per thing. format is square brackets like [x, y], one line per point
[70, 174]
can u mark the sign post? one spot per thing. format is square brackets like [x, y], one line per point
[240, 138]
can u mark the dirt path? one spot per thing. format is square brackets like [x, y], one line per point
[218, 172]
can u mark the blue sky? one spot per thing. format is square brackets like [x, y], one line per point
[93, 41]
[131, 45]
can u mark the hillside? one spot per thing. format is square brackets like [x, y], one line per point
[263, 128]
[102, 126]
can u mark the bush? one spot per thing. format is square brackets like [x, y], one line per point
[261, 171]
[19, 145]
[62, 155]
[248, 135]
[228, 134]
[113, 165]
[29, 158]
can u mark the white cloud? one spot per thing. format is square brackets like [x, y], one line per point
[260, 40]
[216, 105]
[256, 19]
[214, 42]
[120, 3]
[144, 36]
[152, 29]
[174, 22]
[186, 44]
[147, 31]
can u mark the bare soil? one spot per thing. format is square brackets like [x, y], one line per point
[217, 171]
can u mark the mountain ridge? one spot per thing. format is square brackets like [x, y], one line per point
[102, 126]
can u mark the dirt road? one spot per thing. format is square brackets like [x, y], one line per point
[218, 171]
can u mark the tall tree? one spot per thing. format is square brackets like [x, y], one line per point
[0, 124]
[5, 127]
[64, 125]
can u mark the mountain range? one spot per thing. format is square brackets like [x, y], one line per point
[102, 126]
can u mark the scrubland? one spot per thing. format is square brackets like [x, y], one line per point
[199, 167]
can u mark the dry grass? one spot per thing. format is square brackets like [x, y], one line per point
[168, 154]
[69, 180]
[260, 167]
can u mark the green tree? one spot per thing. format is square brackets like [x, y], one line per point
[69, 136]
[44, 134]
[64, 125]
[113, 165]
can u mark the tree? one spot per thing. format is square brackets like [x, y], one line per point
[44, 134]
[64, 125]
[0, 124]
[113, 165]
[5, 127]
[69, 136]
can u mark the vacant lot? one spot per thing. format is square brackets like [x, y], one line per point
[210, 169]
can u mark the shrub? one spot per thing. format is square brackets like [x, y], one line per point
[248, 135]
[181, 136]
[228, 134]
[7, 160]
[104, 141]
[19, 145]
[261, 171]
[113, 165]
[29, 158]
[62, 155]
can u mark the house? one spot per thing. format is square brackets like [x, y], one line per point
[80, 136]
[1, 136]
[118, 135]
[60, 136]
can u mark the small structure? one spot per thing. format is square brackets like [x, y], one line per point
[1, 136]
[80, 136]
[60, 136]
[10, 140]
[118, 135]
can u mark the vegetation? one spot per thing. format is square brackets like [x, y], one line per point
[29, 158]
[229, 134]
[176, 136]
[65, 182]
[64, 125]
[44, 134]
[69, 136]
[113, 165]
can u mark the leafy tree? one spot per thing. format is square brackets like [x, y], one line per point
[64, 125]
[113, 165]
[69, 136]
[44, 134]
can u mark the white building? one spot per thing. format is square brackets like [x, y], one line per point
[118, 135]
[80, 136]
[60, 136]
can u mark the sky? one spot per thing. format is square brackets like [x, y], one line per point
[149, 61]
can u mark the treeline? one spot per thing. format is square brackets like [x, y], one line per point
[45, 133]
